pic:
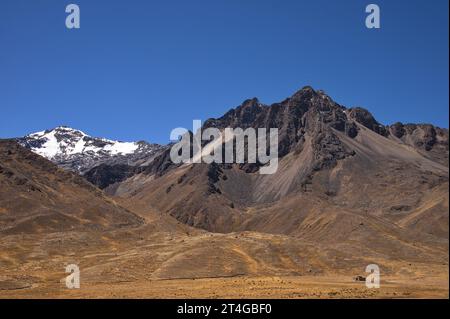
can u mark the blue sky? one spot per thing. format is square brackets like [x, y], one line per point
[139, 68]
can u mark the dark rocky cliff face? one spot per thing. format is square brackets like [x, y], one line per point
[306, 112]
[105, 175]
[365, 118]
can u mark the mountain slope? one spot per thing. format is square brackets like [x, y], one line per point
[36, 196]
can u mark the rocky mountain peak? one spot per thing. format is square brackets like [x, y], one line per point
[75, 150]
[305, 92]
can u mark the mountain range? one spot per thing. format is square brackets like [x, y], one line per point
[349, 191]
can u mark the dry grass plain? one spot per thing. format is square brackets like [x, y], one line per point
[205, 265]
[240, 288]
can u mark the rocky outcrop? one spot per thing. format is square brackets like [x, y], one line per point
[424, 136]
[105, 175]
[365, 118]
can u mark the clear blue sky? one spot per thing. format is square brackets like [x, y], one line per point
[137, 69]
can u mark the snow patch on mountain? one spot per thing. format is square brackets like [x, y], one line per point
[50, 148]
[121, 148]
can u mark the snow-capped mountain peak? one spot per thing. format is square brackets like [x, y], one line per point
[74, 149]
